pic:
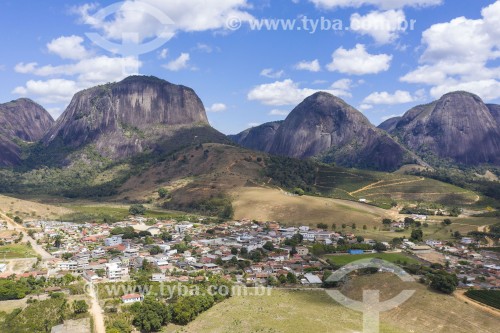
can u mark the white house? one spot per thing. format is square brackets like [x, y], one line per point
[158, 277]
[114, 271]
[131, 298]
[182, 227]
[113, 241]
[67, 266]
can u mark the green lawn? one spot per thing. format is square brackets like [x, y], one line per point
[16, 251]
[345, 259]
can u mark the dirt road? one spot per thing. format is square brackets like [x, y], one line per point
[96, 310]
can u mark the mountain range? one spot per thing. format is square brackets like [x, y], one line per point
[146, 115]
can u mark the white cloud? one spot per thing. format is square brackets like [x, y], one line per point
[457, 56]
[204, 48]
[342, 84]
[25, 68]
[217, 107]
[50, 91]
[253, 124]
[285, 92]
[399, 97]
[385, 27]
[365, 107]
[359, 62]
[68, 47]
[84, 74]
[312, 66]
[384, 4]
[180, 63]
[163, 54]
[270, 73]
[192, 15]
[277, 112]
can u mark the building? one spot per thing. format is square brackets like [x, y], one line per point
[113, 241]
[421, 249]
[312, 279]
[3, 268]
[67, 266]
[302, 251]
[158, 277]
[182, 227]
[131, 298]
[114, 271]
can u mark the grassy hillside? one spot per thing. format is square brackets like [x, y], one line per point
[314, 311]
[268, 204]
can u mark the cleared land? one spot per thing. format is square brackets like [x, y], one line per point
[314, 311]
[30, 209]
[391, 257]
[384, 188]
[16, 251]
[267, 204]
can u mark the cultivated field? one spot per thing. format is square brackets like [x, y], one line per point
[16, 251]
[314, 311]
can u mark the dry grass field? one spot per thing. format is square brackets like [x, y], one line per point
[31, 209]
[314, 311]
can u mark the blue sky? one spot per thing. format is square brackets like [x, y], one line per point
[246, 76]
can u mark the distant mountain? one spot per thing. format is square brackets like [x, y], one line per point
[20, 120]
[259, 137]
[389, 124]
[459, 126]
[325, 126]
[136, 115]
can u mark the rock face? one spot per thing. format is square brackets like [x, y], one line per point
[389, 124]
[259, 137]
[459, 126]
[325, 126]
[129, 117]
[20, 120]
[495, 112]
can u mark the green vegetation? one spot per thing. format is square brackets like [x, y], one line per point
[15, 251]
[137, 209]
[488, 297]
[395, 258]
[41, 316]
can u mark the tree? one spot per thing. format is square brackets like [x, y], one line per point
[57, 241]
[417, 235]
[293, 251]
[244, 251]
[234, 251]
[291, 278]
[353, 226]
[155, 250]
[446, 222]
[379, 247]
[360, 239]
[298, 191]
[80, 306]
[323, 226]
[163, 192]
[344, 225]
[19, 220]
[282, 279]
[365, 227]
[271, 281]
[269, 246]
[137, 209]
[444, 282]
[409, 221]
[150, 315]
[334, 226]
[67, 256]
[386, 221]
[166, 237]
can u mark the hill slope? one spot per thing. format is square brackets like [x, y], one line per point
[123, 119]
[459, 127]
[20, 120]
[326, 127]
